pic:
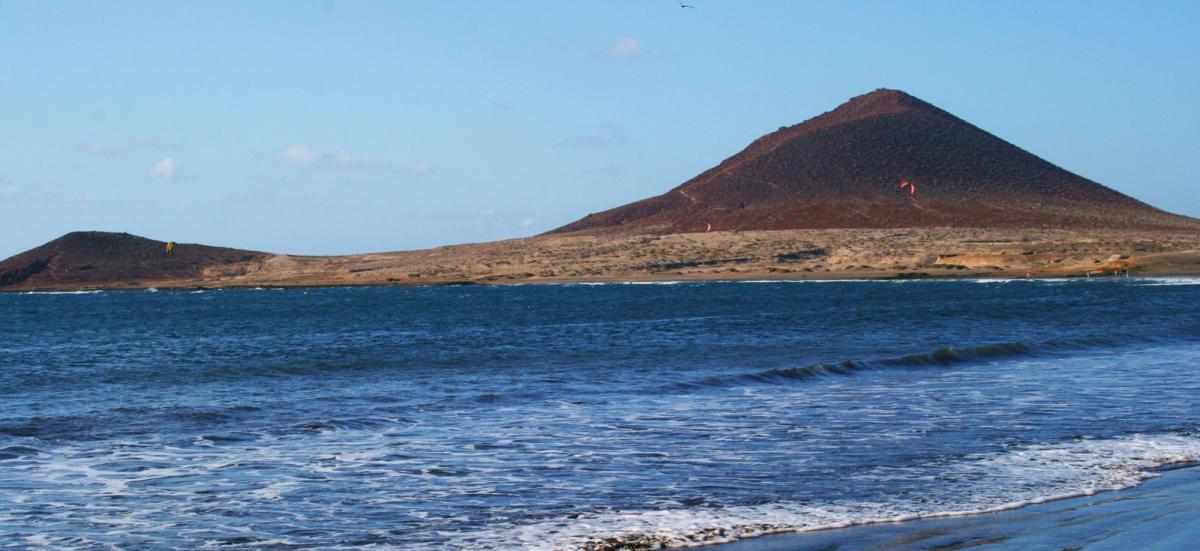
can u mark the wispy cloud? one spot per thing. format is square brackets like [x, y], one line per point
[607, 171]
[309, 156]
[349, 161]
[625, 47]
[13, 194]
[115, 148]
[300, 154]
[603, 138]
[166, 170]
[99, 148]
[257, 197]
[506, 224]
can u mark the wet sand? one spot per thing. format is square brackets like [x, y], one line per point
[1161, 513]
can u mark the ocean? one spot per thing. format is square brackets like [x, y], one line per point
[579, 416]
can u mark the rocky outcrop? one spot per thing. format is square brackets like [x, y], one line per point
[80, 259]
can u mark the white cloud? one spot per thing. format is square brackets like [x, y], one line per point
[423, 167]
[300, 154]
[98, 148]
[166, 170]
[506, 223]
[349, 161]
[625, 47]
[306, 155]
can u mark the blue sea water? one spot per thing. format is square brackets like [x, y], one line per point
[559, 416]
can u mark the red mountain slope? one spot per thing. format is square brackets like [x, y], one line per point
[82, 258]
[843, 169]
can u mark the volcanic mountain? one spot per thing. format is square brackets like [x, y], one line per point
[845, 169]
[117, 259]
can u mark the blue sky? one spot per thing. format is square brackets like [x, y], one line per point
[322, 127]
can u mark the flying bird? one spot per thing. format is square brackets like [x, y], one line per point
[682, 5]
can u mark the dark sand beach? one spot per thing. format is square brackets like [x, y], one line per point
[1161, 513]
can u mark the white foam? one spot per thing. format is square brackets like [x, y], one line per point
[1167, 281]
[810, 280]
[93, 292]
[983, 484]
[273, 543]
[273, 491]
[847, 280]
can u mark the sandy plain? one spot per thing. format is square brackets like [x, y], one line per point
[783, 254]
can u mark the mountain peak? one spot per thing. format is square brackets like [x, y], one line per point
[842, 169]
[882, 101]
[879, 102]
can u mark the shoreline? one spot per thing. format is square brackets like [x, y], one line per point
[749, 278]
[784, 255]
[1148, 513]
[648, 280]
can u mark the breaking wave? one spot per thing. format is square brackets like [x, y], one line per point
[968, 486]
[942, 357]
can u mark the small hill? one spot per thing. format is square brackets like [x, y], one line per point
[78, 259]
[843, 169]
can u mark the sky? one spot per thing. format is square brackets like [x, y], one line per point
[332, 126]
